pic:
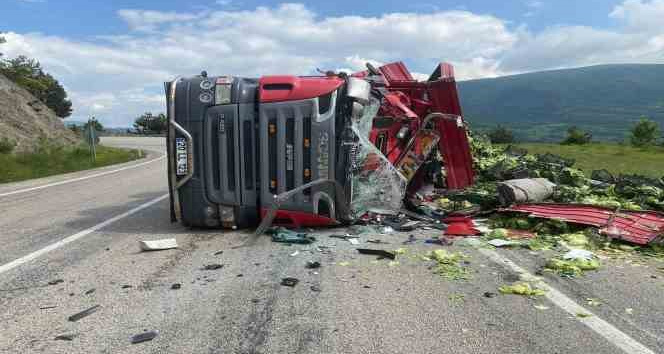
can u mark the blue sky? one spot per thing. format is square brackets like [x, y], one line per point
[112, 56]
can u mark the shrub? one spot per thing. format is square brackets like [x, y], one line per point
[576, 136]
[644, 133]
[501, 135]
[7, 146]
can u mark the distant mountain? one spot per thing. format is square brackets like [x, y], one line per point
[605, 100]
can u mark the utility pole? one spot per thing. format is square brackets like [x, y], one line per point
[92, 136]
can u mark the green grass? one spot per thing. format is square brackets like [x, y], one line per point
[613, 157]
[56, 160]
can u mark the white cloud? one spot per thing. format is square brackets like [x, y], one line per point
[119, 77]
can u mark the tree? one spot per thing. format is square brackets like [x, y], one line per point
[644, 133]
[28, 74]
[2, 40]
[149, 123]
[576, 136]
[501, 135]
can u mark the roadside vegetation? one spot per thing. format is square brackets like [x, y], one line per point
[615, 158]
[49, 160]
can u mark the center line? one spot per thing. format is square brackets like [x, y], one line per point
[36, 254]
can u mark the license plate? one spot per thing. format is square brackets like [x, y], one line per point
[181, 156]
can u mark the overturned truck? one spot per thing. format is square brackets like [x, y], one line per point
[310, 150]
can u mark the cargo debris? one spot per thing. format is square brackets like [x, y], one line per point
[639, 227]
[144, 337]
[84, 313]
[158, 245]
[380, 253]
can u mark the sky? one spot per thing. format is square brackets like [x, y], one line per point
[112, 57]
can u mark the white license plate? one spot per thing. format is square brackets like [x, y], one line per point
[181, 156]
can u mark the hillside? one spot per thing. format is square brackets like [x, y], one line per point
[24, 119]
[604, 99]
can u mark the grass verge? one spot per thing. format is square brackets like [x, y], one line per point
[57, 160]
[613, 157]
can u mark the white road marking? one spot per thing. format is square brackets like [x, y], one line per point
[76, 236]
[80, 178]
[598, 325]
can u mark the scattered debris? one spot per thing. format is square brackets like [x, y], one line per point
[583, 315]
[639, 227]
[282, 234]
[213, 266]
[541, 307]
[498, 242]
[378, 242]
[386, 230]
[521, 289]
[442, 241]
[312, 265]
[315, 288]
[629, 310]
[176, 286]
[48, 307]
[593, 302]
[489, 294]
[65, 337]
[449, 264]
[158, 245]
[346, 237]
[571, 267]
[56, 281]
[144, 337]
[578, 254]
[380, 253]
[294, 253]
[218, 253]
[84, 313]
[526, 190]
[343, 264]
[289, 281]
[460, 226]
[127, 286]
[90, 291]
[411, 239]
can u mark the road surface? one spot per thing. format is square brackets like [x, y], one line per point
[80, 232]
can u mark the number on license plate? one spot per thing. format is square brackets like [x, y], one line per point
[181, 156]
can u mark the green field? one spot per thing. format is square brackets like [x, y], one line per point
[17, 167]
[613, 157]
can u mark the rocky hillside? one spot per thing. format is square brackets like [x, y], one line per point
[24, 119]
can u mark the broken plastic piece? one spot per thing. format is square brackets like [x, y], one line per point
[380, 253]
[67, 337]
[214, 266]
[84, 313]
[158, 245]
[289, 281]
[312, 264]
[144, 337]
[282, 234]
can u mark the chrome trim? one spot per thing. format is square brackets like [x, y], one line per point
[170, 139]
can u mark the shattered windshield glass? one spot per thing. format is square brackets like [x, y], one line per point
[375, 182]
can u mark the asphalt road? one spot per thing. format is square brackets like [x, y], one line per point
[84, 228]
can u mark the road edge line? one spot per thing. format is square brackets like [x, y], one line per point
[611, 333]
[36, 254]
[79, 178]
